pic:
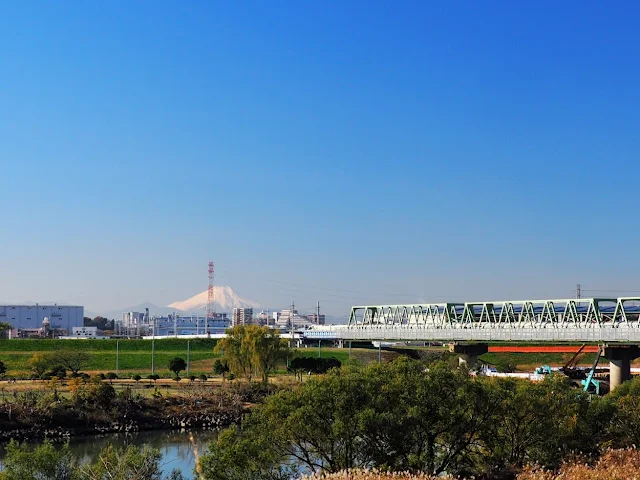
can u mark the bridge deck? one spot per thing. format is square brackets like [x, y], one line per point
[591, 320]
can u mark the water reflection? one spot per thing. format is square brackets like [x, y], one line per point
[176, 447]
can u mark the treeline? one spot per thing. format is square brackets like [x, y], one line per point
[433, 419]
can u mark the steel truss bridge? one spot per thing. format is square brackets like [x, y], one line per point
[592, 320]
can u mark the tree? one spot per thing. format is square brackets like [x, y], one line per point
[38, 363]
[3, 369]
[72, 360]
[127, 463]
[249, 348]
[267, 349]
[538, 423]
[237, 351]
[42, 462]
[220, 368]
[4, 328]
[45, 462]
[176, 365]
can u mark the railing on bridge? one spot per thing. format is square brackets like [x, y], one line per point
[564, 320]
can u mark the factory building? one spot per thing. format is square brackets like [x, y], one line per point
[143, 324]
[242, 316]
[30, 317]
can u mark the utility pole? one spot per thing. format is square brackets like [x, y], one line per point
[293, 306]
[188, 357]
[153, 351]
[380, 352]
[319, 348]
[117, 355]
[578, 291]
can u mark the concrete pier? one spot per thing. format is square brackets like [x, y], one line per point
[468, 354]
[620, 357]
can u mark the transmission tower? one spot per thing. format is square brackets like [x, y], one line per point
[211, 309]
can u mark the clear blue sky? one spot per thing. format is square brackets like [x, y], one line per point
[347, 152]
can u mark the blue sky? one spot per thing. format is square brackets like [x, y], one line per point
[347, 152]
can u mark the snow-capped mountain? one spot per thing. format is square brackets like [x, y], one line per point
[225, 300]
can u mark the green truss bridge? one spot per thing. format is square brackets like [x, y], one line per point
[585, 320]
[470, 326]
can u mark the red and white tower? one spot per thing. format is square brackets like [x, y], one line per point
[211, 309]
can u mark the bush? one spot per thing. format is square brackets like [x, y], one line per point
[57, 371]
[203, 377]
[101, 394]
[314, 365]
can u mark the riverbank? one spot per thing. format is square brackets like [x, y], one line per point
[96, 408]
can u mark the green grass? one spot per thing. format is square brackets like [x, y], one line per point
[46, 345]
[135, 355]
[341, 354]
[518, 358]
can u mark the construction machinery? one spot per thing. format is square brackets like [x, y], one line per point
[570, 369]
[590, 384]
[543, 370]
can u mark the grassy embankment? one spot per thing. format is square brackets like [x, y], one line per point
[135, 355]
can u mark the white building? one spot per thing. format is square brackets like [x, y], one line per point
[242, 316]
[61, 317]
[85, 332]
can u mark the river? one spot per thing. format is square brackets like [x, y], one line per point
[176, 447]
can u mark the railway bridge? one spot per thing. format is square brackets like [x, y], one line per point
[470, 326]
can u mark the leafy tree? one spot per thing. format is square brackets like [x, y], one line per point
[42, 462]
[3, 369]
[394, 416]
[4, 328]
[101, 322]
[540, 423]
[176, 365]
[38, 363]
[203, 378]
[220, 368]
[236, 350]
[249, 348]
[72, 360]
[111, 376]
[620, 412]
[267, 349]
[101, 393]
[57, 371]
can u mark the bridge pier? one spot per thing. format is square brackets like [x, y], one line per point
[468, 354]
[620, 357]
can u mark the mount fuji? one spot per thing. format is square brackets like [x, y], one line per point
[225, 300]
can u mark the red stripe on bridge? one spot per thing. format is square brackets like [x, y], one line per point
[544, 349]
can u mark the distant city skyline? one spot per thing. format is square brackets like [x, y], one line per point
[347, 153]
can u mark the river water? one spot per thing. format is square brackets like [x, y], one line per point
[176, 447]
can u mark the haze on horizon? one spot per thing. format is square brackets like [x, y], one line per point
[356, 152]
